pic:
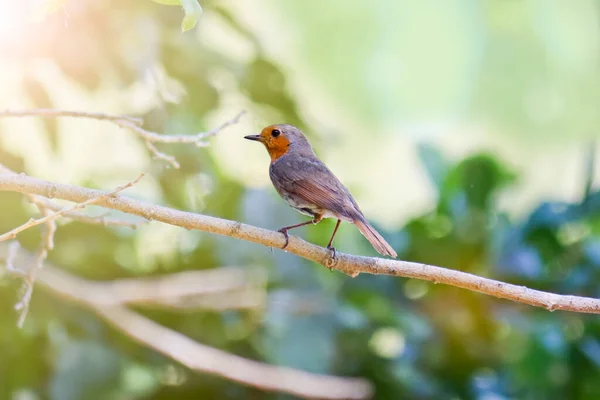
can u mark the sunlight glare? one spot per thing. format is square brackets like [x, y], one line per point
[12, 18]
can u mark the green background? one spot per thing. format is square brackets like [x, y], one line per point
[465, 129]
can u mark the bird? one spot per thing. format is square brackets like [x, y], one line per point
[308, 186]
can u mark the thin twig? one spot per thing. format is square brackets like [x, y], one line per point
[48, 240]
[88, 219]
[218, 129]
[47, 236]
[23, 305]
[40, 201]
[349, 264]
[29, 280]
[51, 113]
[50, 217]
[134, 125]
[198, 139]
[159, 155]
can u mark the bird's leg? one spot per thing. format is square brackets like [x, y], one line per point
[329, 245]
[285, 229]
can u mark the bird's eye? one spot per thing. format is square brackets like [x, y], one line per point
[275, 132]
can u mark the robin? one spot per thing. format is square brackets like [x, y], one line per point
[307, 185]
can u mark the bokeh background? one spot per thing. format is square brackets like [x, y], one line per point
[465, 129]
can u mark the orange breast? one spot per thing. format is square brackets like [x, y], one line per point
[277, 147]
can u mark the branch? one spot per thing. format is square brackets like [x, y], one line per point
[194, 355]
[349, 264]
[134, 125]
[29, 279]
[88, 219]
[51, 217]
[49, 220]
[189, 289]
[42, 202]
[50, 113]
[198, 139]
[245, 299]
[202, 358]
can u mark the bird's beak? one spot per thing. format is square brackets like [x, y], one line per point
[256, 138]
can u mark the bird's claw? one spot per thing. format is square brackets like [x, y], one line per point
[332, 259]
[333, 251]
[287, 237]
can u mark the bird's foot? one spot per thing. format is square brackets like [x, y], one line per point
[286, 235]
[332, 259]
[333, 252]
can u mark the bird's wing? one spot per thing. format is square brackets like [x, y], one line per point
[313, 182]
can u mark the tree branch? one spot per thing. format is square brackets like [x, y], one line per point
[132, 124]
[202, 358]
[48, 218]
[349, 264]
[81, 217]
[244, 299]
[189, 289]
[194, 355]
[44, 203]
[29, 279]
[51, 113]
[53, 216]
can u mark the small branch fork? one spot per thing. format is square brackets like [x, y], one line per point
[42, 202]
[50, 211]
[134, 125]
[48, 218]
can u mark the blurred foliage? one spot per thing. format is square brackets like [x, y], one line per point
[412, 339]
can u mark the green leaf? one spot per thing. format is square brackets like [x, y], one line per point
[189, 22]
[193, 10]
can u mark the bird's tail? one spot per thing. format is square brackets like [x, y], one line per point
[374, 237]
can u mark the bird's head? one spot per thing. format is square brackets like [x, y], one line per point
[280, 139]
